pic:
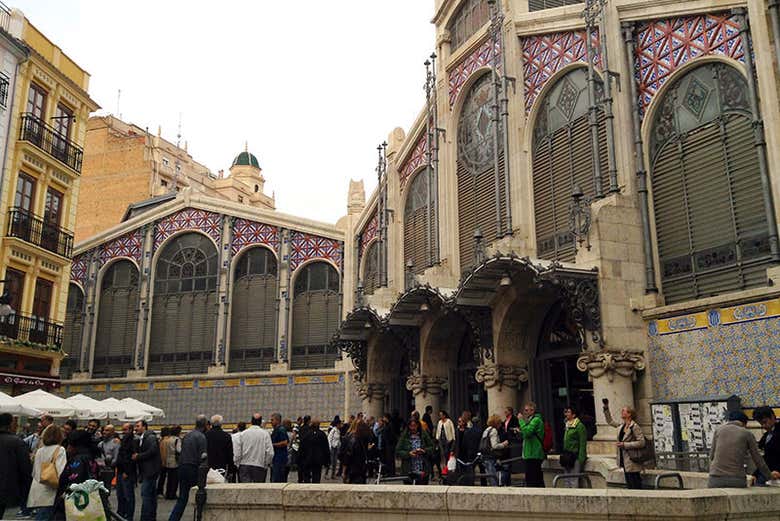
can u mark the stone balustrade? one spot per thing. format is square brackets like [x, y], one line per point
[296, 502]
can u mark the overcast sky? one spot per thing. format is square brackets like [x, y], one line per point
[312, 85]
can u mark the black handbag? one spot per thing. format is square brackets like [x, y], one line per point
[568, 458]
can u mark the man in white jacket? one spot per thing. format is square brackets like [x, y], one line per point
[253, 452]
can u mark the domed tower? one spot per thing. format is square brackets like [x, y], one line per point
[246, 170]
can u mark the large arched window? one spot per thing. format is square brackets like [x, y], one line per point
[562, 159]
[315, 316]
[476, 181]
[416, 223]
[253, 319]
[371, 269]
[72, 332]
[184, 311]
[117, 321]
[709, 215]
[470, 18]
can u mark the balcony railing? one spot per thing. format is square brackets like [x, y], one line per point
[29, 227]
[35, 131]
[5, 17]
[31, 329]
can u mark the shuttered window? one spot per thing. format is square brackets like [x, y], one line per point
[371, 269]
[476, 180]
[254, 312]
[117, 321]
[184, 310]
[315, 317]
[416, 223]
[72, 332]
[469, 19]
[711, 227]
[538, 5]
[562, 159]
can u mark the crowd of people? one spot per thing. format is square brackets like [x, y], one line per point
[39, 468]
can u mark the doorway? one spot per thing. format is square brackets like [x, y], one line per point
[464, 393]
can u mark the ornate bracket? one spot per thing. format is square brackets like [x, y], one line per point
[581, 296]
[371, 392]
[480, 320]
[493, 375]
[424, 385]
[357, 351]
[600, 363]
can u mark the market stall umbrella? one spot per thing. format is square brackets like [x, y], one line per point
[9, 404]
[155, 411]
[91, 409]
[125, 412]
[48, 403]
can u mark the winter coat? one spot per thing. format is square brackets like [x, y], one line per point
[16, 468]
[314, 450]
[633, 440]
[771, 448]
[404, 447]
[219, 448]
[533, 434]
[41, 494]
[575, 439]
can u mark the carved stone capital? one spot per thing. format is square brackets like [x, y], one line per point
[371, 391]
[610, 363]
[424, 385]
[493, 375]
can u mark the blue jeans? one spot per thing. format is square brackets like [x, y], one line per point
[279, 472]
[125, 496]
[490, 470]
[188, 478]
[43, 513]
[149, 499]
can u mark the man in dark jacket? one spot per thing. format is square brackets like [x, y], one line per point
[314, 453]
[127, 475]
[15, 465]
[770, 441]
[147, 457]
[220, 445]
[193, 446]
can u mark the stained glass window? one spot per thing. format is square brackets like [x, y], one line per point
[471, 16]
[476, 142]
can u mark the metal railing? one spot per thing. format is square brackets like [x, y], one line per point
[31, 329]
[669, 475]
[581, 478]
[37, 132]
[27, 226]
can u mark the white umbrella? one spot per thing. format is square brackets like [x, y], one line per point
[155, 411]
[11, 405]
[89, 408]
[48, 403]
[125, 412]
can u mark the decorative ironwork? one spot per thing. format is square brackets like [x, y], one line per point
[27, 226]
[357, 351]
[35, 131]
[580, 217]
[409, 336]
[36, 330]
[581, 297]
[480, 319]
[482, 57]
[476, 137]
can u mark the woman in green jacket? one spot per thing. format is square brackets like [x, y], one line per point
[415, 449]
[532, 430]
[575, 442]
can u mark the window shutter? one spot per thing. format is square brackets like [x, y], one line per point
[252, 341]
[72, 332]
[538, 5]
[117, 322]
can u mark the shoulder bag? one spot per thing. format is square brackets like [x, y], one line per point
[49, 475]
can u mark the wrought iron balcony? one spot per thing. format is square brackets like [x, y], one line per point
[4, 83]
[29, 227]
[36, 330]
[35, 131]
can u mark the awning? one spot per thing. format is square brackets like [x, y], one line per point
[48, 404]
[10, 405]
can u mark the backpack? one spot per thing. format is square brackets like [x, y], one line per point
[485, 448]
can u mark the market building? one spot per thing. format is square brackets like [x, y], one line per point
[44, 105]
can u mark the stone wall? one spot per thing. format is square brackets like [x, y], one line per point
[293, 502]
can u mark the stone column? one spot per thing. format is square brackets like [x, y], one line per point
[502, 383]
[283, 304]
[613, 374]
[373, 396]
[144, 304]
[221, 353]
[427, 390]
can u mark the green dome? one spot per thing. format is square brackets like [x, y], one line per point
[246, 159]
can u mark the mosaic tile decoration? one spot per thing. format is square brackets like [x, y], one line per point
[79, 267]
[665, 45]
[415, 160]
[481, 57]
[369, 232]
[188, 219]
[246, 233]
[736, 352]
[304, 247]
[546, 54]
[127, 245]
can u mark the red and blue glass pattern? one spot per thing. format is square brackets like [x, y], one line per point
[305, 247]
[209, 223]
[665, 45]
[128, 245]
[369, 232]
[79, 268]
[546, 54]
[415, 160]
[248, 233]
[482, 57]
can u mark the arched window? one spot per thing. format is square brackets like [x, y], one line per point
[184, 311]
[476, 181]
[470, 18]
[416, 223]
[253, 319]
[371, 269]
[315, 316]
[709, 215]
[117, 321]
[72, 332]
[563, 159]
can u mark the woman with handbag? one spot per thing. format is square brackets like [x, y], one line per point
[630, 442]
[490, 446]
[48, 463]
[575, 441]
